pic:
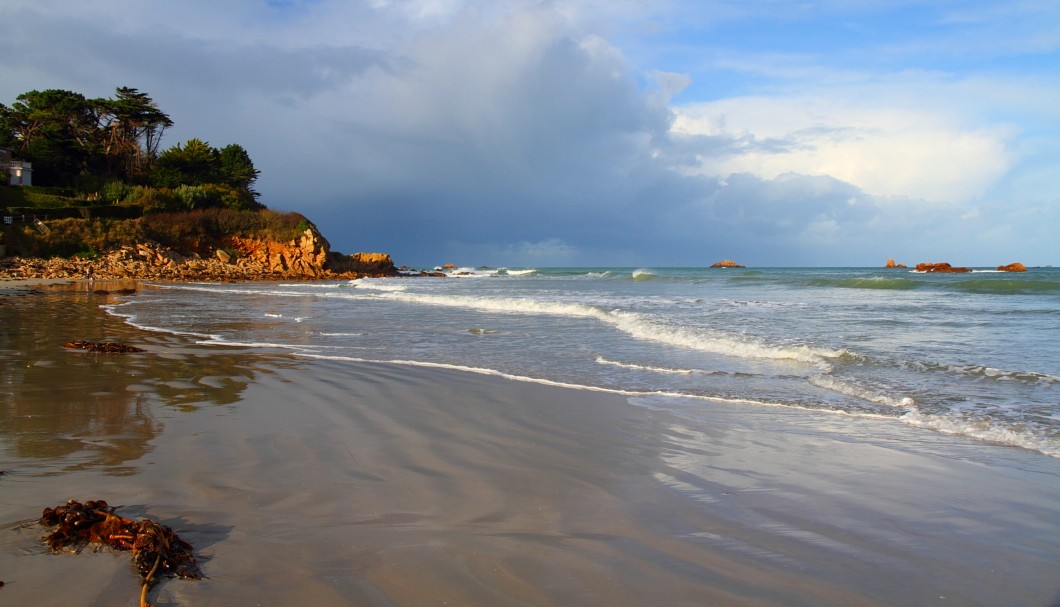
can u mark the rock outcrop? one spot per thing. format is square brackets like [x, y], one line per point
[942, 267]
[305, 258]
[890, 265]
[370, 264]
[727, 263]
[1013, 267]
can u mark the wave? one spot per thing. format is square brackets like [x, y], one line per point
[614, 363]
[525, 272]
[634, 324]
[983, 429]
[972, 428]
[874, 282]
[990, 373]
[377, 284]
[302, 349]
[464, 272]
[668, 370]
[1028, 285]
[642, 274]
[644, 398]
[132, 320]
[832, 384]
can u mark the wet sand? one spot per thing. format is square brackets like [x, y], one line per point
[330, 483]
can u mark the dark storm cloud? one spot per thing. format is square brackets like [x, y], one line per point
[497, 132]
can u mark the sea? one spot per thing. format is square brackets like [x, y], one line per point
[975, 356]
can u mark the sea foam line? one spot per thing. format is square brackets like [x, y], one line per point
[633, 394]
[614, 363]
[835, 385]
[981, 430]
[634, 324]
[131, 319]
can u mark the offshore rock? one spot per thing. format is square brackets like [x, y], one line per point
[369, 264]
[727, 263]
[942, 268]
[1013, 267]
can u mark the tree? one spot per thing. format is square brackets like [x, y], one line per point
[54, 129]
[134, 126]
[67, 135]
[194, 163]
[237, 169]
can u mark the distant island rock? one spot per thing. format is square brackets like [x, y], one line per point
[727, 263]
[942, 268]
[891, 265]
[1013, 267]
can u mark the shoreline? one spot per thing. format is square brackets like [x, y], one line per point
[343, 483]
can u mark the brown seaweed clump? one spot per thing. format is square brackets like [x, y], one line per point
[156, 549]
[102, 346]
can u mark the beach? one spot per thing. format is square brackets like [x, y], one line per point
[335, 482]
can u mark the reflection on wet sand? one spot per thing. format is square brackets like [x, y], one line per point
[64, 409]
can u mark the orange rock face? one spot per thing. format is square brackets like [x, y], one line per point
[727, 263]
[940, 268]
[890, 263]
[1013, 267]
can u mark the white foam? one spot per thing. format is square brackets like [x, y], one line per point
[220, 341]
[378, 284]
[520, 272]
[133, 321]
[644, 398]
[635, 324]
[614, 363]
[983, 430]
[829, 382]
[471, 272]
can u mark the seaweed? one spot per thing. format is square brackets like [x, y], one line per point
[102, 346]
[156, 549]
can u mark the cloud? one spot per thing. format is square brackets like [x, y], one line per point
[890, 150]
[556, 133]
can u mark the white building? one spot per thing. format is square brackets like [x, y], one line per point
[19, 172]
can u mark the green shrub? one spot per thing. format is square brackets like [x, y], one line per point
[114, 192]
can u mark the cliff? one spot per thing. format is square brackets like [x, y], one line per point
[196, 247]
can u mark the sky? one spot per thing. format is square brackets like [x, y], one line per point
[602, 132]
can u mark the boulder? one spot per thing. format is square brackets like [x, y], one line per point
[727, 263]
[942, 268]
[890, 263]
[367, 264]
[1013, 267]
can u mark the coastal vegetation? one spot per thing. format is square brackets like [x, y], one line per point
[103, 182]
[109, 203]
[86, 144]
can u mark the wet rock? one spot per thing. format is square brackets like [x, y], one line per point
[1013, 267]
[942, 268]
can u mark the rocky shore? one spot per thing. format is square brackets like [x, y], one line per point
[307, 258]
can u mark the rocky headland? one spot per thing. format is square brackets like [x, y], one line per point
[220, 258]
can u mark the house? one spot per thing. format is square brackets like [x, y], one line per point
[19, 172]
